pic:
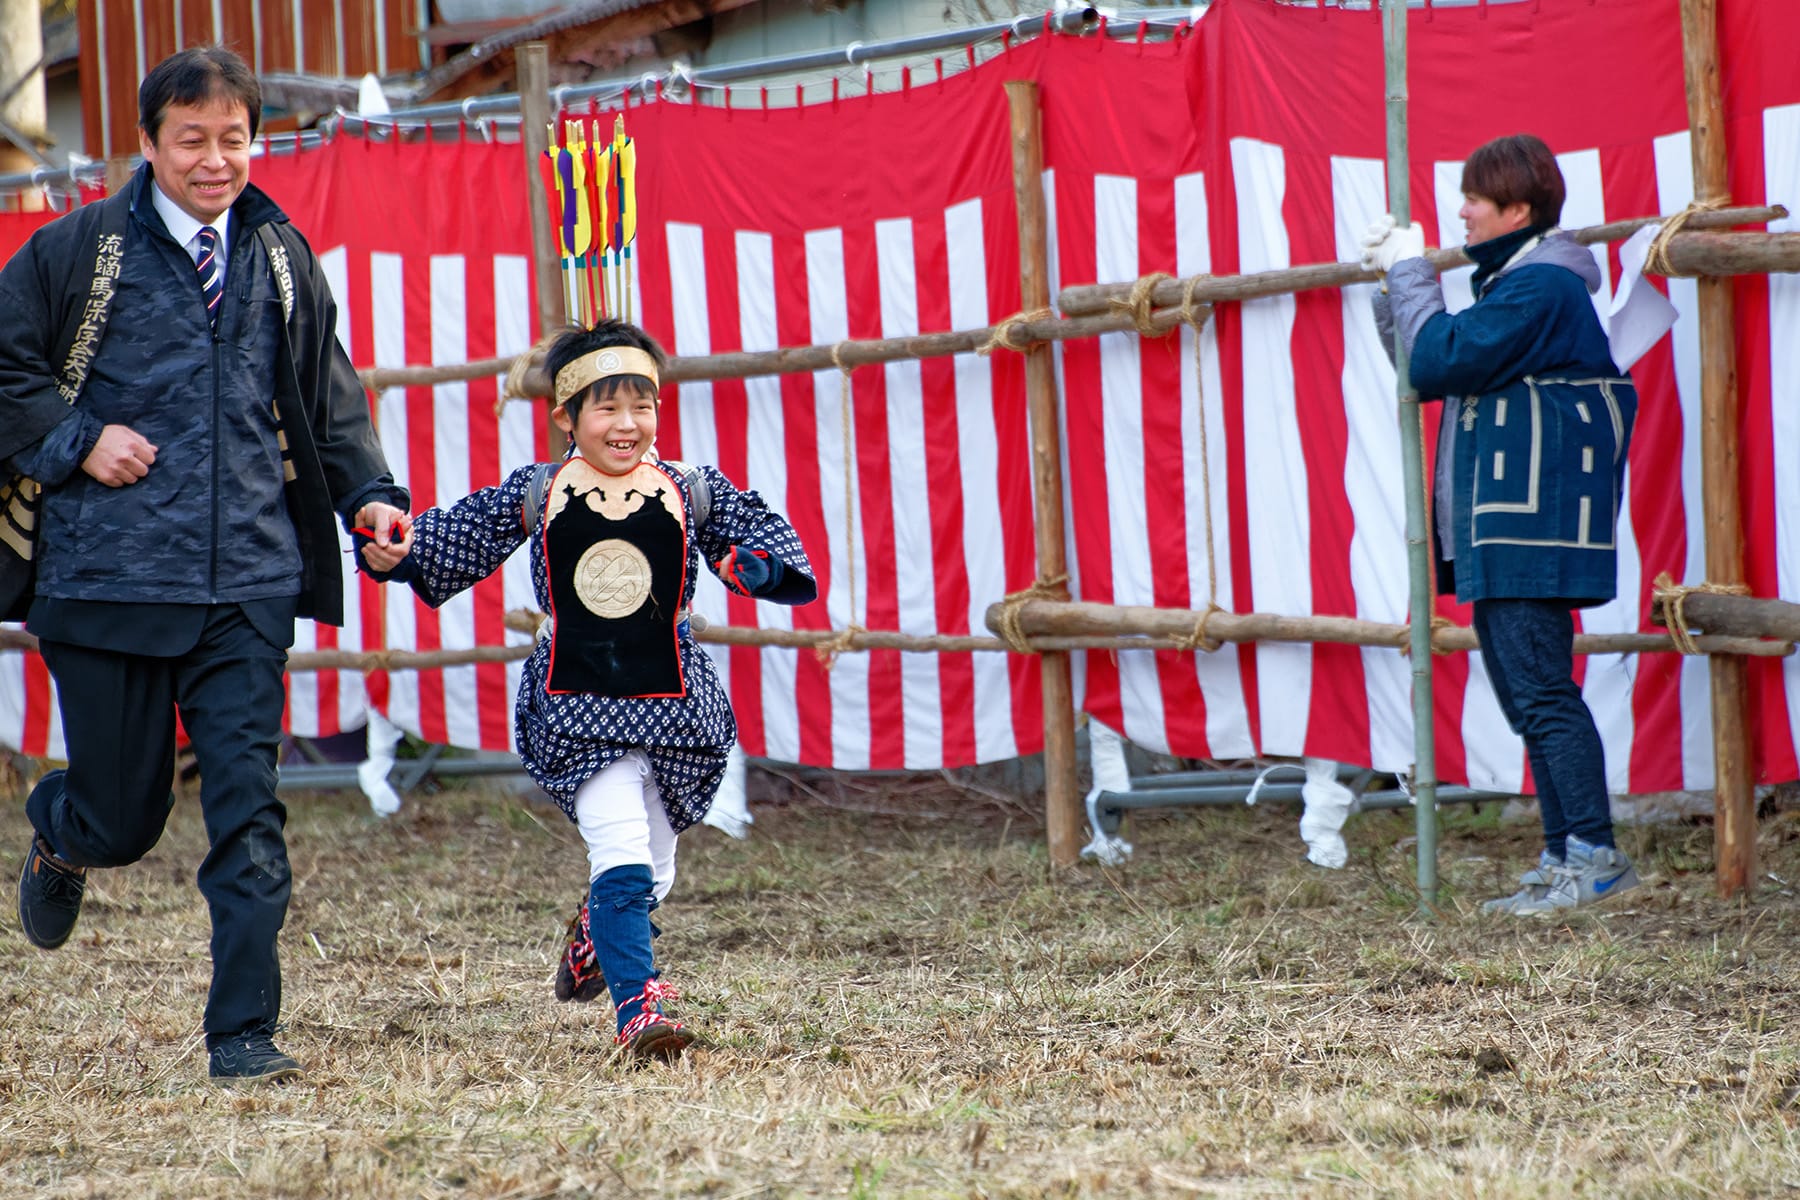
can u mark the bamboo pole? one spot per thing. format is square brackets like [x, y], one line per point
[1734, 799]
[533, 60]
[1089, 298]
[1062, 797]
[1412, 462]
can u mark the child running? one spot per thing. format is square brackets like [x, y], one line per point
[619, 716]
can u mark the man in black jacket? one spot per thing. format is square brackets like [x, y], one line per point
[194, 452]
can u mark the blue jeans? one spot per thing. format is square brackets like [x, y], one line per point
[1528, 647]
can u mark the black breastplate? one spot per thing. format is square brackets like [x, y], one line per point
[615, 581]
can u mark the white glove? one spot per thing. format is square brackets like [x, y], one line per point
[1394, 246]
[1379, 228]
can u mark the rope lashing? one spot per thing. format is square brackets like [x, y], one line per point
[1196, 318]
[1010, 333]
[1656, 259]
[841, 641]
[845, 639]
[1437, 622]
[1199, 639]
[1008, 618]
[513, 388]
[1673, 596]
[1139, 305]
[1190, 315]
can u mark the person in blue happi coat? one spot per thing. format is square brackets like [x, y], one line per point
[1530, 472]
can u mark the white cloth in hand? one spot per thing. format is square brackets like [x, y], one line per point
[1393, 245]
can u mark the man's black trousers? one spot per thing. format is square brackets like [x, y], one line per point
[109, 808]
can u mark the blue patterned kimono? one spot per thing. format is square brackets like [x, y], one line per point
[564, 738]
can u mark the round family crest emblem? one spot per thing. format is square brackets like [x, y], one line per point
[608, 362]
[612, 577]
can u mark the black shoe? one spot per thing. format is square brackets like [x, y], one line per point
[49, 896]
[252, 1058]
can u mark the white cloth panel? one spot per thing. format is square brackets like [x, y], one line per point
[1781, 180]
[1279, 521]
[828, 312]
[1221, 671]
[450, 454]
[1374, 480]
[920, 693]
[767, 459]
[1122, 430]
[978, 456]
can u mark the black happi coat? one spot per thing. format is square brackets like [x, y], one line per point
[213, 522]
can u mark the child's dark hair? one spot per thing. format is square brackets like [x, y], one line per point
[569, 343]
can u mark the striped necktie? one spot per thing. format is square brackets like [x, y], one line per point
[212, 279]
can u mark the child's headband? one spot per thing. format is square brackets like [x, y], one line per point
[596, 365]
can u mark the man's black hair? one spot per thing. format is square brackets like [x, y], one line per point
[573, 341]
[196, 77]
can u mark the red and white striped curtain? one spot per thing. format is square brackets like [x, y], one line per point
[1266, 478]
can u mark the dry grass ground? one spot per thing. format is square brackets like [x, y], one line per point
[905, 1005]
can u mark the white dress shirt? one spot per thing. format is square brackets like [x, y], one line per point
[186, 230]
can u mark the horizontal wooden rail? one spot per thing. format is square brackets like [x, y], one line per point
[1077, 619]
[1019, 331]
[1050, 626]
[1684, 249]
[1088, 310]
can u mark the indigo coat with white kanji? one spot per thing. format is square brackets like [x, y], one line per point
[565, 738]
[1532, 468]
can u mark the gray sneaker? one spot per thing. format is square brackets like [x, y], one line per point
[1589, 874]
[1532, 886]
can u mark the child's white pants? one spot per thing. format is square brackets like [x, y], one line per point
[621, 817]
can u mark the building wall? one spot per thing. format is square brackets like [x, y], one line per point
[122, 39]
[62, 108]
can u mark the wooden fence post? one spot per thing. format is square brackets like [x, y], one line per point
[118, 173]
[534, 107]
[1062, 797]
[1734, 797]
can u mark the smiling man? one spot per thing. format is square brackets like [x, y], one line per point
[172, 385]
